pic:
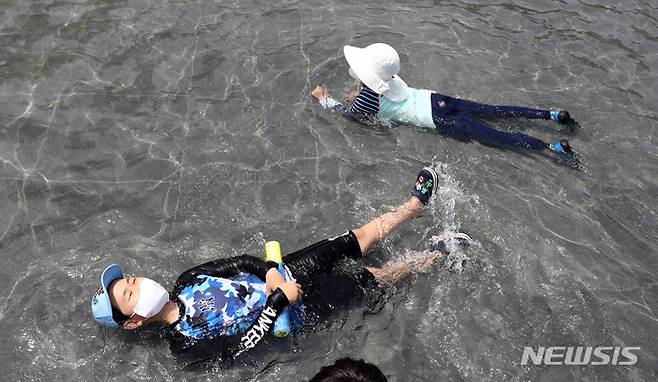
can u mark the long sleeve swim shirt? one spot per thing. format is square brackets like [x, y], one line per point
[223, 306]
[369, 106]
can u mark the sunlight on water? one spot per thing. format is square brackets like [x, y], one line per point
[162, 134]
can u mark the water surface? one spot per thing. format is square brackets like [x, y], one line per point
[161, 134]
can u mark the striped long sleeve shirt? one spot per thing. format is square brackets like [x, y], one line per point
[364, 108]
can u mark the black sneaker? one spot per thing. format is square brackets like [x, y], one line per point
[425, 183]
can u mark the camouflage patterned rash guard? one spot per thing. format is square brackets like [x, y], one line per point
[224, 310]
[219, 306]
[223, 307]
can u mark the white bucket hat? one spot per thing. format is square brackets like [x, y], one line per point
[377, 66]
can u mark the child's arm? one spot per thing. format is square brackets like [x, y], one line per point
[321, 93]
[364, 108]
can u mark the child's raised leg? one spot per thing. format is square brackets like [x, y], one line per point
[377, 229]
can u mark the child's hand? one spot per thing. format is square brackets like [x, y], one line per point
[273, 280]
[293, 291]
[320, 92]
[350, 97]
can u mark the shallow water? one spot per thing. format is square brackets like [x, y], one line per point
[161, 134]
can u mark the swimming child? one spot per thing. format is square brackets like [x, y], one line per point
[383, 96]
[230, 305]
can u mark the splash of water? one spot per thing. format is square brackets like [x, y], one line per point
[450, 200]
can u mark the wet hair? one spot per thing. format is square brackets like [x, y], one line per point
[349, 370]
[119, 317]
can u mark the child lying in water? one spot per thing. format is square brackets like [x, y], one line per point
[383, 96]
[227, 306]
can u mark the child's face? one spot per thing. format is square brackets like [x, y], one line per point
[124, 294]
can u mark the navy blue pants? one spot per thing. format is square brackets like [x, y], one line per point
[454, 116]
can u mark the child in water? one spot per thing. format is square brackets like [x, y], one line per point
[227, 306]
[383, 96]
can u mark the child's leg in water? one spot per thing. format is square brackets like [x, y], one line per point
[467, 128]
[452, 104]
[395, 271]
[377, 229]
